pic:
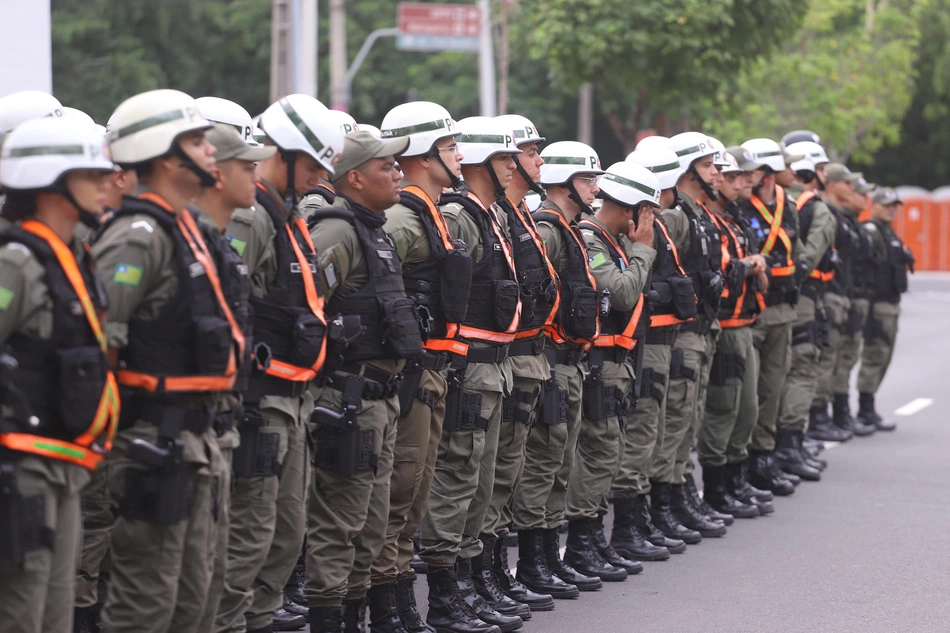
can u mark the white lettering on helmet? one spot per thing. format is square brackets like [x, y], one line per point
[248, 132]
[508, 140]
[594, 163]
[347, 128]
[327, 153]
[450, 125]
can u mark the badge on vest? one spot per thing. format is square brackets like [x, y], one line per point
[295, 268]
[197, 269]
[384, 254]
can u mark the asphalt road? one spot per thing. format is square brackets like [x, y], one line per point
[866, 550]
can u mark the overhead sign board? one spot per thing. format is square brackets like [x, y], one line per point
[438, 27]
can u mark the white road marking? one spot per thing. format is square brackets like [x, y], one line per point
[914, 406]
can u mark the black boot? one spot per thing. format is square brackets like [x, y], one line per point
[763, 477]
[661, 511]
[737, 484]
[417, 564]
[326, 619]
[533, 571]
[551, 546]
[700, 504]
[869, 416]
[448, 611]
[821, 428]
[582, 553]
[487, 586]
[788, 455]
[512, 587]
[690, 517]
[653, 533]
[813, 446]
[842, 419]
[384, 609]
[85, 619]
[627, 537]
[466, 584]
[284, 620]
[354, 616]
[716, 493]
[818, 464]
[406, 605]
[294, 601]
[608, 553]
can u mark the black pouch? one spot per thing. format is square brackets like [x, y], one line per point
[735, 277]
[342, 446]
[22, 519]
[553, 403]
[257, 456]
[400, 329]
[162, 492]
[408, 388]
[81, 377]
[455, 284]
[507, 296]
[684, 297]
[212, 344]
[306, 339]
[593, 402]
[463, 410]
[585, 305]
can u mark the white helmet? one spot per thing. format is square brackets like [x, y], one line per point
[732, 166]
[811, 150]
[147, 125]
[805, 164]
[423, 122]
[17, 107]
[79, 115]
[629, 184]
[719, 158]
[522, 127]
[299, 123]
[38, 152]
[481, 137]
[346, 122]
[372, 129]
[660, 160]
[565, 159]
[691, 146]
[651, 141]
[767, 152]
[218, 110]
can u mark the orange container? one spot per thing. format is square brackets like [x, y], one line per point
[940, 199]
[918, 225]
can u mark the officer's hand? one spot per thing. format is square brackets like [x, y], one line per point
[758, 264]
[764, 280]
[642, 231]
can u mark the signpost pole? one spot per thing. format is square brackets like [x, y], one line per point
[486, 62]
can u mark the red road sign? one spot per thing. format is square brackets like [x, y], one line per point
[421, 18]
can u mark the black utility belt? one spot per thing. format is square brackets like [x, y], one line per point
[224, 421]
[527, 347]
[564, 356]
[487, 354]
[260, 384]
[812, 289]
[170, 417]
[661, 336]
[700, 326]
[377, 384]
[434, 361]
[615, 354]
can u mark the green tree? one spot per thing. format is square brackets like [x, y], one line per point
[654, 62]
[847, 75]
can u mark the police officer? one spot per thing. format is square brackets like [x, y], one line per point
[811, 329]
[691, 225]
[730, 408]
[675, 304]
[177, 345]
[354, 427]
[529, 366]
[60, 400]
[569, 176]
[323, 194]
[437, 274]
[268, 518]
[235, 189]
[773, 218]
[477, 382]
[619, 239]
[893, 260]
[852, 247]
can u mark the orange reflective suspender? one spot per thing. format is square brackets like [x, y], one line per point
[532, 229]
[554, 330]
[814, 274]
[663, 320]
[449, 343]
[624, 339]
[734, 321]
[776, 231]
[186, 224]
[488, 335]
[106, 418]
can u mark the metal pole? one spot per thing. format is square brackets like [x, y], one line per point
[486, 63]
[307, 46]
[361, 57]
[338, 97]
[295, 45]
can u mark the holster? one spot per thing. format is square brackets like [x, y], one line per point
[512, 413]
[824, 319]
[409, 387]
[22, 519]
[162, 491]
[257, 456]
[342, 446]
[678, 368]
[726, 365]
[593, 401]
[874, 329]
[854, 323]
[463, 409]
[552, 409]
[650, 384]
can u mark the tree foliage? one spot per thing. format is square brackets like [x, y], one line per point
[847, 75]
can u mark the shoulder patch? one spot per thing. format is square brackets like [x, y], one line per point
[237, 245]
[6, 298]
[127, 275]
[597, 260]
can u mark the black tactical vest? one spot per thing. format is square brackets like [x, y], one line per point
[805, 215]
[191, 336]
[62, 378]
[578, 316]
[739, 245]
[538, 288]
[782, 289]
[892, 272]
[439, 286]
[703, 261]
[283, 319]
[390, 328]
[495, 294]
[675, 292]
[236, 288]
[848, 239]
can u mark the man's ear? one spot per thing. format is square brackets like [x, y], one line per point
[354, 178]
[220, 178]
